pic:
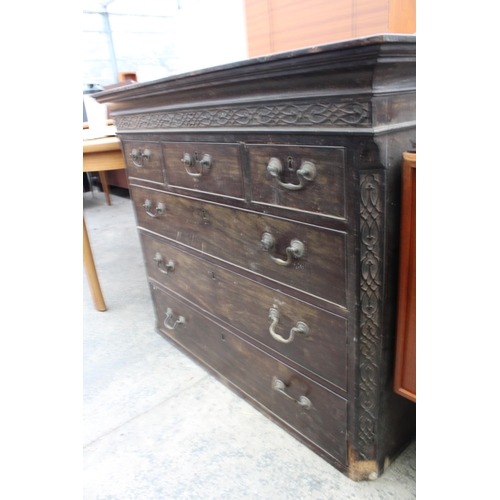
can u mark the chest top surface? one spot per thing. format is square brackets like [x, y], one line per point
[355, 85]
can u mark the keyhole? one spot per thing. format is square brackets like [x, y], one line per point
[223, 337]
[290, 163]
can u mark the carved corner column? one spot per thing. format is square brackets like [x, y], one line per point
[371, 249]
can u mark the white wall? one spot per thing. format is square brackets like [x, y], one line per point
[210, 33]
[158, 38]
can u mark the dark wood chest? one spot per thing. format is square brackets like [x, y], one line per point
[267, 196]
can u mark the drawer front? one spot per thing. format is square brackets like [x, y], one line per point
[204, 167]
[319, 346]
[144, 161]
[236, 236]
[323, 423]
[305, 178]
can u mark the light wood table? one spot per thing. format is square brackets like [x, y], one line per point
[101, 155]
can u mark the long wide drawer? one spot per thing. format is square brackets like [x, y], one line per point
[305, 257]
[316, 413]
[311, 337]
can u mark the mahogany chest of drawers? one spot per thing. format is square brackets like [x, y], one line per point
[267, 200]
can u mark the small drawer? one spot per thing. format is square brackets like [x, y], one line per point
[204, 167]
[306, 178]
[318, 415]
[308, 258]
[144, 161]
[311, 337]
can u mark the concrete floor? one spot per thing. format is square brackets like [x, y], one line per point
[158, 426]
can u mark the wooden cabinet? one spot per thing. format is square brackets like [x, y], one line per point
[266, 194]
[405, 382]
[279, 25]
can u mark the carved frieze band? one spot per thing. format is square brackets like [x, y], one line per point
[317, 114]
[371, 227]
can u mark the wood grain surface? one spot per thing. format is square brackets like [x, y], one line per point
[234, 236]
[244, 304]
[231, 356]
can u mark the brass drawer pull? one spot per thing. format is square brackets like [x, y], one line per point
[306, 172]
[296, 249]
[279, 386]
[188, 161]
[168, 315]
[300, 328]
[160, 209]
[167, 267]
[136, 154]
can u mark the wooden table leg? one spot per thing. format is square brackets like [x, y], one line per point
[88, 260]
[105, 187]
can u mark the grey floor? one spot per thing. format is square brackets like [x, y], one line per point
[158, 426]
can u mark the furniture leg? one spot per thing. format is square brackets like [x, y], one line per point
[88, 260]
[105, 187]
